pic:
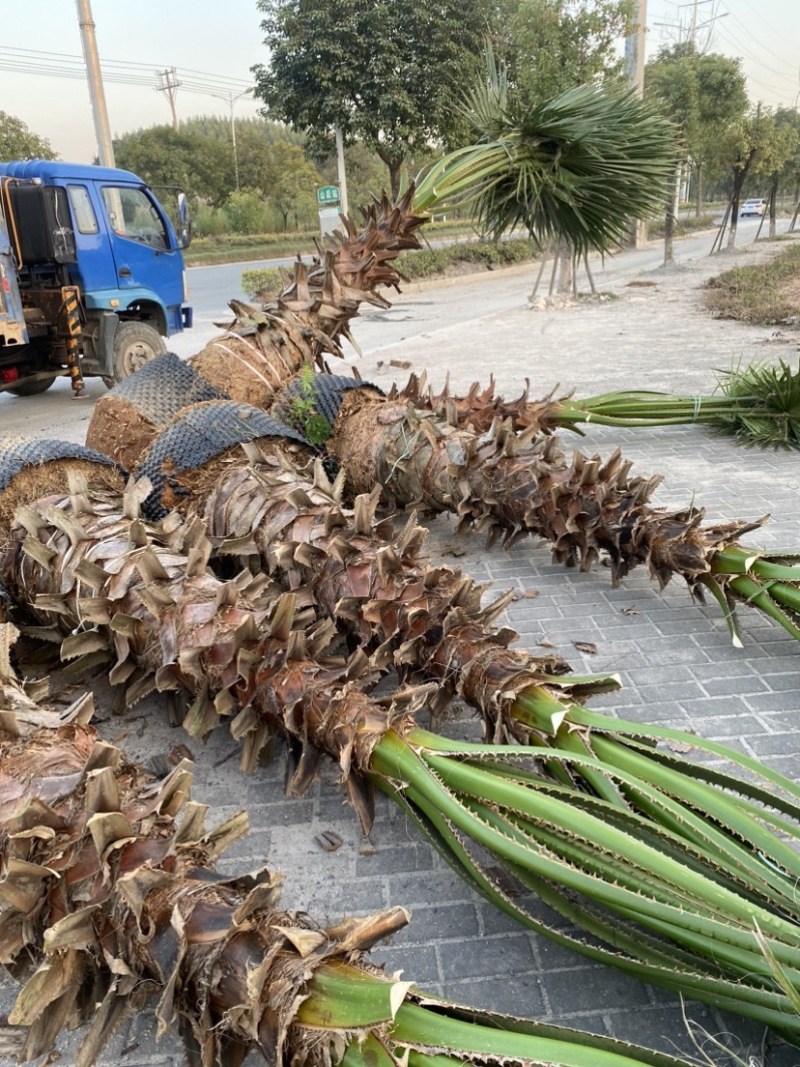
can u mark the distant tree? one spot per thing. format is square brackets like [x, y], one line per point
[202, 166]
[778, 158]
[18, 142]
[292, 183]
[219, 126]
[754, 146]
[549, 46]
[703, 95]
[789, 178]
[387, 73]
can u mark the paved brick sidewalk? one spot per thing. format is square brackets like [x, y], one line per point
[677, 665]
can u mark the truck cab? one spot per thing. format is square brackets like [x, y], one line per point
[96, 262]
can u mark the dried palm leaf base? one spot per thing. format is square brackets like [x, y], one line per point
[479, 407]
[671, 878]
[512, 485]
[756, 404]
[429, 622]
[109, 901]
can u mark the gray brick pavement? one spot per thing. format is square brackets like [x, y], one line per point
[674, 657]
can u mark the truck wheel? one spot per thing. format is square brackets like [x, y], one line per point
[135, 343]
[32, 388]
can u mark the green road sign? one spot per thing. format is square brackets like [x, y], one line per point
[328, 194]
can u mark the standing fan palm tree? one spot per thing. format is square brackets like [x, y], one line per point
[575, 170]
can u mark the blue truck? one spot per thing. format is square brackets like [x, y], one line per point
[92, 278]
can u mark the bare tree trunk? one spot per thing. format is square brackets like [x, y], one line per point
[740, 172]
[773, 208]
[566, 273]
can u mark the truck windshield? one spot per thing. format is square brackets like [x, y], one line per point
[132, 215]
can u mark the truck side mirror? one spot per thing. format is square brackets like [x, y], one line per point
[185, 230]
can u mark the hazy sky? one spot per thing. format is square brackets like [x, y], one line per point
[214, 44]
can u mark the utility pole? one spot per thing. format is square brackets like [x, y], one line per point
[231, 101]
[342, 176]
[95, 79]
[634, 66]
[634, 49]
[168, 83]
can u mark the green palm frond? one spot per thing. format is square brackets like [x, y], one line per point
[577, 168]
[767, 399]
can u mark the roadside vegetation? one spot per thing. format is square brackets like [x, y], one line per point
[464, 257]
[764, 294]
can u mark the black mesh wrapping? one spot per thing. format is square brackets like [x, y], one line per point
[17, 454]
[325, 391]
[160, 388]
[197, 435]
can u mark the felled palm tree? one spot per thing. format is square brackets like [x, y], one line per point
[513, 484]
[757, 404]
[110, 901]
[680, 882]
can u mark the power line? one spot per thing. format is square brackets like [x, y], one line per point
[773, 59]
[36, 61]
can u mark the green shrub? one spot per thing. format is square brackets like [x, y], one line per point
[259, 284]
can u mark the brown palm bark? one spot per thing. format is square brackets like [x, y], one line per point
[109, 901]
[427, 621]
[479, 408]
[513, 485]
[106, 583]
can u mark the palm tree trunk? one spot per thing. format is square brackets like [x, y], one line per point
[512, 485]
[121, 905]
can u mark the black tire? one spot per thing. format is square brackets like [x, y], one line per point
[32, 388]
[135, 343]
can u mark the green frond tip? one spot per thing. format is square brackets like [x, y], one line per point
[667, 864]
[767, 404]
[577, 169]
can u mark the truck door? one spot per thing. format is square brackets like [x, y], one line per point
[141, 244]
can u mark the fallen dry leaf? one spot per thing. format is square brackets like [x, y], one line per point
[403, 364]
[329, 840]
[679, 746]
[545, 643]
[585, 646]
[453, 548]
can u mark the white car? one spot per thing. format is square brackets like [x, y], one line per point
[753, 207]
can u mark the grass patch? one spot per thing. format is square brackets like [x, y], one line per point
[765, 294]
